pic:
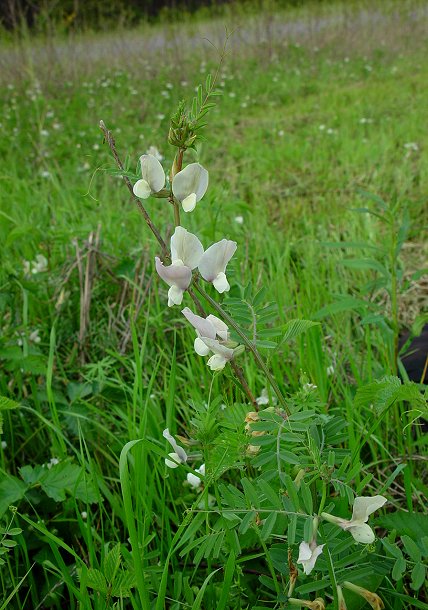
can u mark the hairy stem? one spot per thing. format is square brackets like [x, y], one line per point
[108, 136]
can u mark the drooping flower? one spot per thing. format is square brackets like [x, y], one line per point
[357, 526]
[207, 330]
[186, 252]
[193, 480]
[190, 185]
[179, 456]
[308, 554]
[213, 263]
[372, 598]
[152, 177]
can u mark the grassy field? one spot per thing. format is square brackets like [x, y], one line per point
[322, 117]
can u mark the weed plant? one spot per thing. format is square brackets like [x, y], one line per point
[317, 172]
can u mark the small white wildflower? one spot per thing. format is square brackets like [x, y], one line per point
[52, 462]
[308, 554]
[281, 133]
[179, 456]
[321, 127]
[84, 514]
[160, 116]
[308, 387]
[96, 147]
[40, 264]
[193, 480]
[3, 445]
[357, 526]
[239, 220]
[44, 133]
[34, 336]
[330, 370]
[411, 146]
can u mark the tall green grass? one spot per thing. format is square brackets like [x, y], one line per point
[297, 132]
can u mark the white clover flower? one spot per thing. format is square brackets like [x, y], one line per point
[207, 330]
[179, 456]
[357, 526]
[308, 554]
[186, 252]
[213, 263]
[152, 177]
[193, 480]
[190, 185]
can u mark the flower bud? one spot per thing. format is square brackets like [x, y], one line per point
[317, 604]
[372, 598]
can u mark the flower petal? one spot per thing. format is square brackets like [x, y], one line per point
[174, 462]
[365, 506]
[193, 480]
[178, 450]
[221, 284]
[221, 328]
[142, 189]
[305, 552]
[193, 179]
[186, 247]
[361, 532]
[174, 275]
[189, 203]
[203, 326]
[200, 347]
[216, 347]
[215, 259]
[217, 362]
[152, 172]
[175, 296]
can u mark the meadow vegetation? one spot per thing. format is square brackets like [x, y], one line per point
[316, 152]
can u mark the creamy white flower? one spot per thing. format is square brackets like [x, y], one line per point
[193, 480]
[239, 220]
[40, 264]
[263, 399]
[3, 444]
[207, 330]
[308, 554]
[152, 177]
[179, 456]
[186, 247]
[190, 185]
[213, 263]
[186, 252]
[357, 526]
[34, 336]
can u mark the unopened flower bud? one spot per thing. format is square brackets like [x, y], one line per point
[341, 599]
[372, 598]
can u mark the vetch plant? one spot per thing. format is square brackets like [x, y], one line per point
[283, 508]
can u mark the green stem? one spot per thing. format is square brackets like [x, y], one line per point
[246, 342]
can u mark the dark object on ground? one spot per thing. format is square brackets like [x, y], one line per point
[415, 357]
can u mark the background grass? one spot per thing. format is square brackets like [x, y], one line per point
[317, 102]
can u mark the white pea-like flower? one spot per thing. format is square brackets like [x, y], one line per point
[207, 331]
[193, 480]
[357, 526]
[213, 263]
[152, 177]
[308, 555]
[178, 456]
[186, 252]
[190, 185]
